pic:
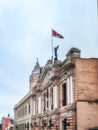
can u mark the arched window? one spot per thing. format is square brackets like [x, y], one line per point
[64, 124]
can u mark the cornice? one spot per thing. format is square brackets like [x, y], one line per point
[24, 99]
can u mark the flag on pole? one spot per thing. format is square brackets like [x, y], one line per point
[55, 34]
[97, 8]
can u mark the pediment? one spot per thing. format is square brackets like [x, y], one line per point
[45, 75]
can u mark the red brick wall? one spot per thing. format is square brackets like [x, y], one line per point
[86, 79]
[86, 93]
[87, 115]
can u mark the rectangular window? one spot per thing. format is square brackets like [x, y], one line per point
[25, 109]
[64, 95]
[29, 110]
[51, 98]
[44, 102]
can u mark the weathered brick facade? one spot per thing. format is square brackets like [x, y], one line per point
[63, 96]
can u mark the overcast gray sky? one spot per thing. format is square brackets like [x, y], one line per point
[25, 35]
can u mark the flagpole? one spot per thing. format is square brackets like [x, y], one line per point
[97, 9]
[52, 44]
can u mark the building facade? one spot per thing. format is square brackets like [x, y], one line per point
[7, 123]
[63, 96]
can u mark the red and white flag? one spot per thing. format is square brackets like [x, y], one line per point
[55, 34]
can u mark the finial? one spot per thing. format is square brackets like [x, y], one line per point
[37, 59]
[37, 63]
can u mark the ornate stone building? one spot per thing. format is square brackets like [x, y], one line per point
[63, 96]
